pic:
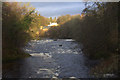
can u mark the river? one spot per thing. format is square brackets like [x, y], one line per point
[50, 58]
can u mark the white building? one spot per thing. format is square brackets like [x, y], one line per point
[53, 24]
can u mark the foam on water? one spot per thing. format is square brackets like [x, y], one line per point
[69, 40]
[41, 54]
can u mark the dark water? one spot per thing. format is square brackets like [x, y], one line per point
[49, 59]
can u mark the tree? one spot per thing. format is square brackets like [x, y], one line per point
[51, 19]
[16, 20]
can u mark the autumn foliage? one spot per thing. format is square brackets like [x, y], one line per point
[20, 23]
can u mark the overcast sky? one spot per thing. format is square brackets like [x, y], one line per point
[55, 9]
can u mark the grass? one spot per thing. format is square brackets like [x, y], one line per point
[107, 66]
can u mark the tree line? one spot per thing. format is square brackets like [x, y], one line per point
[96, 29]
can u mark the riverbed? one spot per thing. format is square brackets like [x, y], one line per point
[61, 58]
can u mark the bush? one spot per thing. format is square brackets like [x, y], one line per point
[15, 23]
